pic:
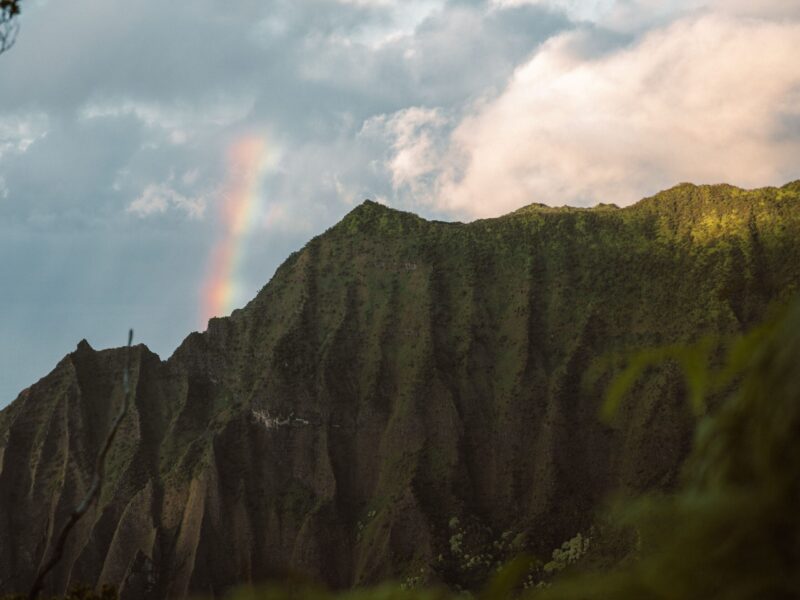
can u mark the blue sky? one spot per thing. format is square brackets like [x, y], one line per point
[117, 119]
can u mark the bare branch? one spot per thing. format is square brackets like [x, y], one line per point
[97, 482]
[9, 23]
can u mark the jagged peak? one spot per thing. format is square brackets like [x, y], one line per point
[370, 211]
[84, 346]
[372, 207]
[371, 203]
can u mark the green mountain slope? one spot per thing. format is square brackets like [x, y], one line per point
[404, 398]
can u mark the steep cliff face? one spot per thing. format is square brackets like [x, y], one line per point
[404, 395]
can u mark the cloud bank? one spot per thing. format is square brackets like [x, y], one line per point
[706, 99]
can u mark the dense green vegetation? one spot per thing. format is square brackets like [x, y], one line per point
[406, 400]
[732, 530]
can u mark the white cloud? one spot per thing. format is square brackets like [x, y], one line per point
[179, 121]
[157, 198]
[3, 188]
[344, 192]
[629, 15]
[413, 134]
[286, 217]
[190, 177]
[402, 19]
[19, 131]
[703, 100]
[588, 10]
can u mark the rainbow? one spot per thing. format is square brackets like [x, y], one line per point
[248, 160]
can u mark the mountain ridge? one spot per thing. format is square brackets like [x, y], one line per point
[395, 375]
[371, 205]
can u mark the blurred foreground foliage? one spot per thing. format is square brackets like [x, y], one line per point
[731, 531]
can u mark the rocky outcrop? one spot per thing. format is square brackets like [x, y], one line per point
[403, 396]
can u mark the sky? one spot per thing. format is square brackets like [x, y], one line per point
[159, 160]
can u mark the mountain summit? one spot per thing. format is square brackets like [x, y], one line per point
[404, 397]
